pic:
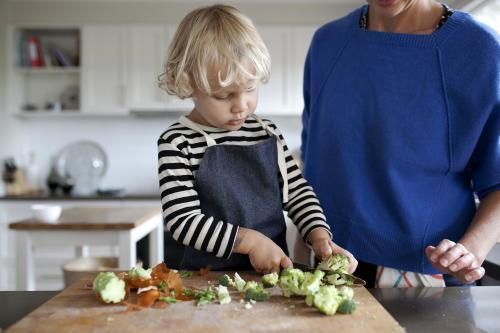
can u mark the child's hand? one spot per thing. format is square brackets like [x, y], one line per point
[265, 256]
[453, 258]
[323, 247]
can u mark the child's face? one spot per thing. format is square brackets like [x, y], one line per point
[225, 107]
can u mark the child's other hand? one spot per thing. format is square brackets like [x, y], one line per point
[323, 247]
[455, 259]
[265, 256]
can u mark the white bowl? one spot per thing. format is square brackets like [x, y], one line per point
[46, 213]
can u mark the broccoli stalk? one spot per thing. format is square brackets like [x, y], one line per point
[290, 281]
[140, 273]
[270, 280]
[239, 282]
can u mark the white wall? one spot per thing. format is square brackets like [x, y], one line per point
[130, 142]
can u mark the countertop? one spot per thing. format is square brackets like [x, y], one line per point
[450, 309]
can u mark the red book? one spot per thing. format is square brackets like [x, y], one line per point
[35, 54]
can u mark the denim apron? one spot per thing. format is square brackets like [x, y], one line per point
[238, 185]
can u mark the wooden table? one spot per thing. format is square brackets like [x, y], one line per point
[76, 309]
[89, 226]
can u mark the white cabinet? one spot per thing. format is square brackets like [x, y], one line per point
[147, 50]
[302, 36]
[104, 69]
[288, 46]
[274, 96]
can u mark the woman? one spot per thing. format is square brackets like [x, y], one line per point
[400, 130]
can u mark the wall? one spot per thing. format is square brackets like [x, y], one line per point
[130, 142]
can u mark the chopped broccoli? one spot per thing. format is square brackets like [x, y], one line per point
[312, 282]
[251, 285]
[239, 282]
[326, 300]
[257, 294]
[110, 288]
[140, 273]
[185, 274]
[310, 299]
[223, 295]
[204, 297]
[290, 281]
[168, 299]
[336, 263]
[347, 306]
[270, 280]
[226, 281]
[346, 292]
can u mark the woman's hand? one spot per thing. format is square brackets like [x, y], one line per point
[265, 256]
[323, 247]
[455, 259]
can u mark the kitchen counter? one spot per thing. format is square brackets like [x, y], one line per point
[451, 309]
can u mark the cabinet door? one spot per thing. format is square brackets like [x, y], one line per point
[147, 48]
[302, 36]
[274, 96]
[104, 72]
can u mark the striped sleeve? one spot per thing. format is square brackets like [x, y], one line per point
[303, 206]
[181, 206]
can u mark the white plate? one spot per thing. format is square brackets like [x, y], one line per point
[85, 162]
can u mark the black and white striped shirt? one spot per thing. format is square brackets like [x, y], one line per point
[180, 151]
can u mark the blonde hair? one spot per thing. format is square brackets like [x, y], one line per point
[220, 37]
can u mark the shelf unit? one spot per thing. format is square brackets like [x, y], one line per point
[44, 70]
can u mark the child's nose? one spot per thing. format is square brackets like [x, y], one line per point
[240, 104]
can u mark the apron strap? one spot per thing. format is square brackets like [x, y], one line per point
[281, 156]
[195, 127]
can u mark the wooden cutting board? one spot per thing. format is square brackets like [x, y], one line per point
[76, 309]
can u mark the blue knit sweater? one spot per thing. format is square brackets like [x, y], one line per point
[399, 132]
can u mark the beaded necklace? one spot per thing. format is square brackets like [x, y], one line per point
[447, 12]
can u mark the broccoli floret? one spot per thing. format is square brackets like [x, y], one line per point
[223, 295]
[312, 282]
[239, 282]
[270, 280]
[226, 281]
[204, 297]
[347, 306]
[336, 263]
[110, 288]
[257, 294]
[346, 292]
[140, 273]
[326, 300]
[251, 285]
[290, 281]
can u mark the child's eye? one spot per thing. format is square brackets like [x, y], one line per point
[221, 98]
[250, 89]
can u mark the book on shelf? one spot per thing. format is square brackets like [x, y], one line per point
[61, 57]
[34, 52]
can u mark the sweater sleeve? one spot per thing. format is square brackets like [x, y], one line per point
[302, 205]
[181, 206]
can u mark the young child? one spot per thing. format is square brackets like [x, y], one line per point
[225, 175]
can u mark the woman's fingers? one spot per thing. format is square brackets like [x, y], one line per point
[468, 260]
[442, 247]
[452, 254]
